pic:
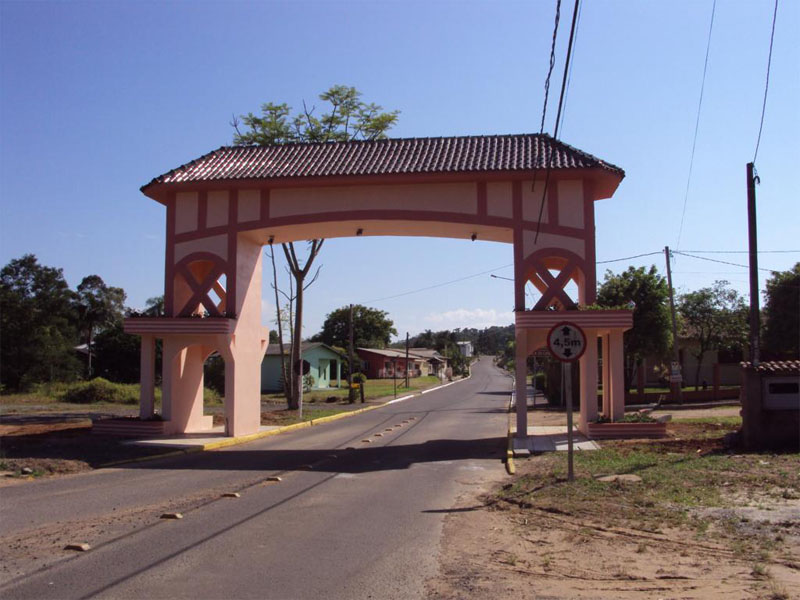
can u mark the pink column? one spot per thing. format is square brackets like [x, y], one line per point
[617, 369]
[606, 376]
[588, 364]
[521, 383]
[147, 370]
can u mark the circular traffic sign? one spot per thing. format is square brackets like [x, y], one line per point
[566, 341]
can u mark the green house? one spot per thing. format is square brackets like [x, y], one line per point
[325, 366]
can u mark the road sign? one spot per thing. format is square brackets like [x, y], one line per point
[566, 342]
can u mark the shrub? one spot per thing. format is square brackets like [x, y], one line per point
[359, 378]
[101, 390]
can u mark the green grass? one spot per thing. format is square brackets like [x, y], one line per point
[676, 478]
[373, 389]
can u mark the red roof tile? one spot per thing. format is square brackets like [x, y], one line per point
[521, 152]
[776, 366]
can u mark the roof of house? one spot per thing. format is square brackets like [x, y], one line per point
[788, 367]
[391, 156]
[388, 352]
[427, 353]
[274, 349]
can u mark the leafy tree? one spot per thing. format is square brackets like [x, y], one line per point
[372, 328]
[37, 322]
[716, 318]
[117, 354]
[782, 310]
[98, 306]
[649, 293]
[349, 118]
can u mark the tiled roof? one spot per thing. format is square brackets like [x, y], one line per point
[777, 366]
[522, 152]
[388, 352]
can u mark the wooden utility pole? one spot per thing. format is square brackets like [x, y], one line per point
[350, 358]
[675, 378]
[755, 316]
[408, 383]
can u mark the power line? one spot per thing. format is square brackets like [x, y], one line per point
[605, 262]
[723, 262]
[766, 85]
[569, 77]
[697, 123]
[552, 64]
[743, 251]
[558, 116]
[437, 285]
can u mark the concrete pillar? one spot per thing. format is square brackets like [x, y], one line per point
[521, 383]
[338, 373]
[147, 372]
[606, 376]
[617, 369]
[182, 393]
[588, 381]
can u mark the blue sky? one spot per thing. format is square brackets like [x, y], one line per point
[97, 98]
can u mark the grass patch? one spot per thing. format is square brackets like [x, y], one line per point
[373, 389]
[679, 475]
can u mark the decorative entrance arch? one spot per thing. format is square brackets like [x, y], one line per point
[224, 206]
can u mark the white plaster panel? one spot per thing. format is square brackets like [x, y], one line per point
[185, 212]
[217, 244]
[217, 209]
[499, 202]
[570, 203]
[532, 200]
[249, 205]
[550, 240]
[447, 197]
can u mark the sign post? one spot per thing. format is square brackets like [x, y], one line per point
[567, 343]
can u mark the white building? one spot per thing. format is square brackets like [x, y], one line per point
[465, 348]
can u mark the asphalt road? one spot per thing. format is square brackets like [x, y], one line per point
[349, 518]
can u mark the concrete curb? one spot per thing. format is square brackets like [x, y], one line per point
[511, 468]
[235, 441]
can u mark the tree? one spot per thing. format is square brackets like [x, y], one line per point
[716, 318]
[349, 118]
[98, 306]
[372, 328]
[649, 293]
[38, 325]
[782, 311]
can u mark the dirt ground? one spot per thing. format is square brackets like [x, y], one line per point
[731, 531]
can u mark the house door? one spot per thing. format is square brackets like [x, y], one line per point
[324, 373]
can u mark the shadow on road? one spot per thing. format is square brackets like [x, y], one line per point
[360, 459]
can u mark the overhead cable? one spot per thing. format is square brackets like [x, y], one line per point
[766, 85]
[723, 262]
[558, 117]
[697, 123]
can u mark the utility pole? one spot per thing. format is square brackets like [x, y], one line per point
[675, 379]
[755, 317]
[408, 383]
[350, 395]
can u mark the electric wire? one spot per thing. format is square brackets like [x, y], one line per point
[766, 85]
[552, 64]
[569, 77]
[696, 124]
[600, 262]
[558, 117]
[438, 285]
[723, 262]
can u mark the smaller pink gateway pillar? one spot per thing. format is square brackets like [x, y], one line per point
[223, 207]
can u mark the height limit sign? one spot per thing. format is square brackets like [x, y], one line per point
[566, 342]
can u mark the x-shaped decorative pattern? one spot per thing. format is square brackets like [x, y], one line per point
[554, 286]
[200, 290]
